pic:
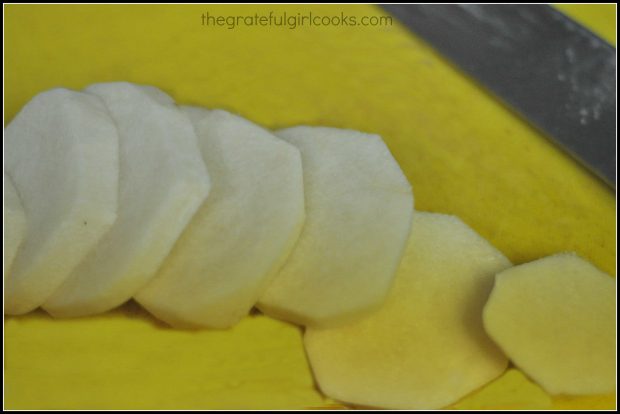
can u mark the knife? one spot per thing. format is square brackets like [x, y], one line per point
[555, 73]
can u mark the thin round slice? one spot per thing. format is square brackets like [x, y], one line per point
[358, 206]
[426, 347]
[241, 234]
[61, 151]
[555, 318]
[14, 222]
[163, 181]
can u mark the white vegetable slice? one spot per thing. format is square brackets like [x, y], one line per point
[14, 222]
[62, 154]
[163, 181]
[241, 234]
[426, 347]
[555, 318]
[359, 206]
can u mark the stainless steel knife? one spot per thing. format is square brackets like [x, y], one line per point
[555, 73]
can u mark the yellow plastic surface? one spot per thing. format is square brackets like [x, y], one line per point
[599, 18]
[463, 151]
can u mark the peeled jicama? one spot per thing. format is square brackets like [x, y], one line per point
[163, 181]
[426, 347]
[359, 206]
[241, 234]
[61, 151]
[555, 318]
[14, 222]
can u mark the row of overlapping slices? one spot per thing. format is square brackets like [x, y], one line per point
[116, 192]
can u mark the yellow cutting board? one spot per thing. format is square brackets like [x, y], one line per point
[463, 151]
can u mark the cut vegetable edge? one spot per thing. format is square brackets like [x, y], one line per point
[14, 222]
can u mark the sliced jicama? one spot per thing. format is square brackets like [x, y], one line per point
[359, 206]
[555, 318]
[14, 222]
[163, 181]
[61, 151]
[241, 234]
[426, 347]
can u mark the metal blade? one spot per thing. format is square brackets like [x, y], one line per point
[555, 73]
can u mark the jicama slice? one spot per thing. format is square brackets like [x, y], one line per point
[241, 234]
[359, 206]
[61, 151]
[555, 318]
[426, 347]
[14, 222]
[163, 181]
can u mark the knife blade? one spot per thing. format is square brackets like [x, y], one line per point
[555, 73]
